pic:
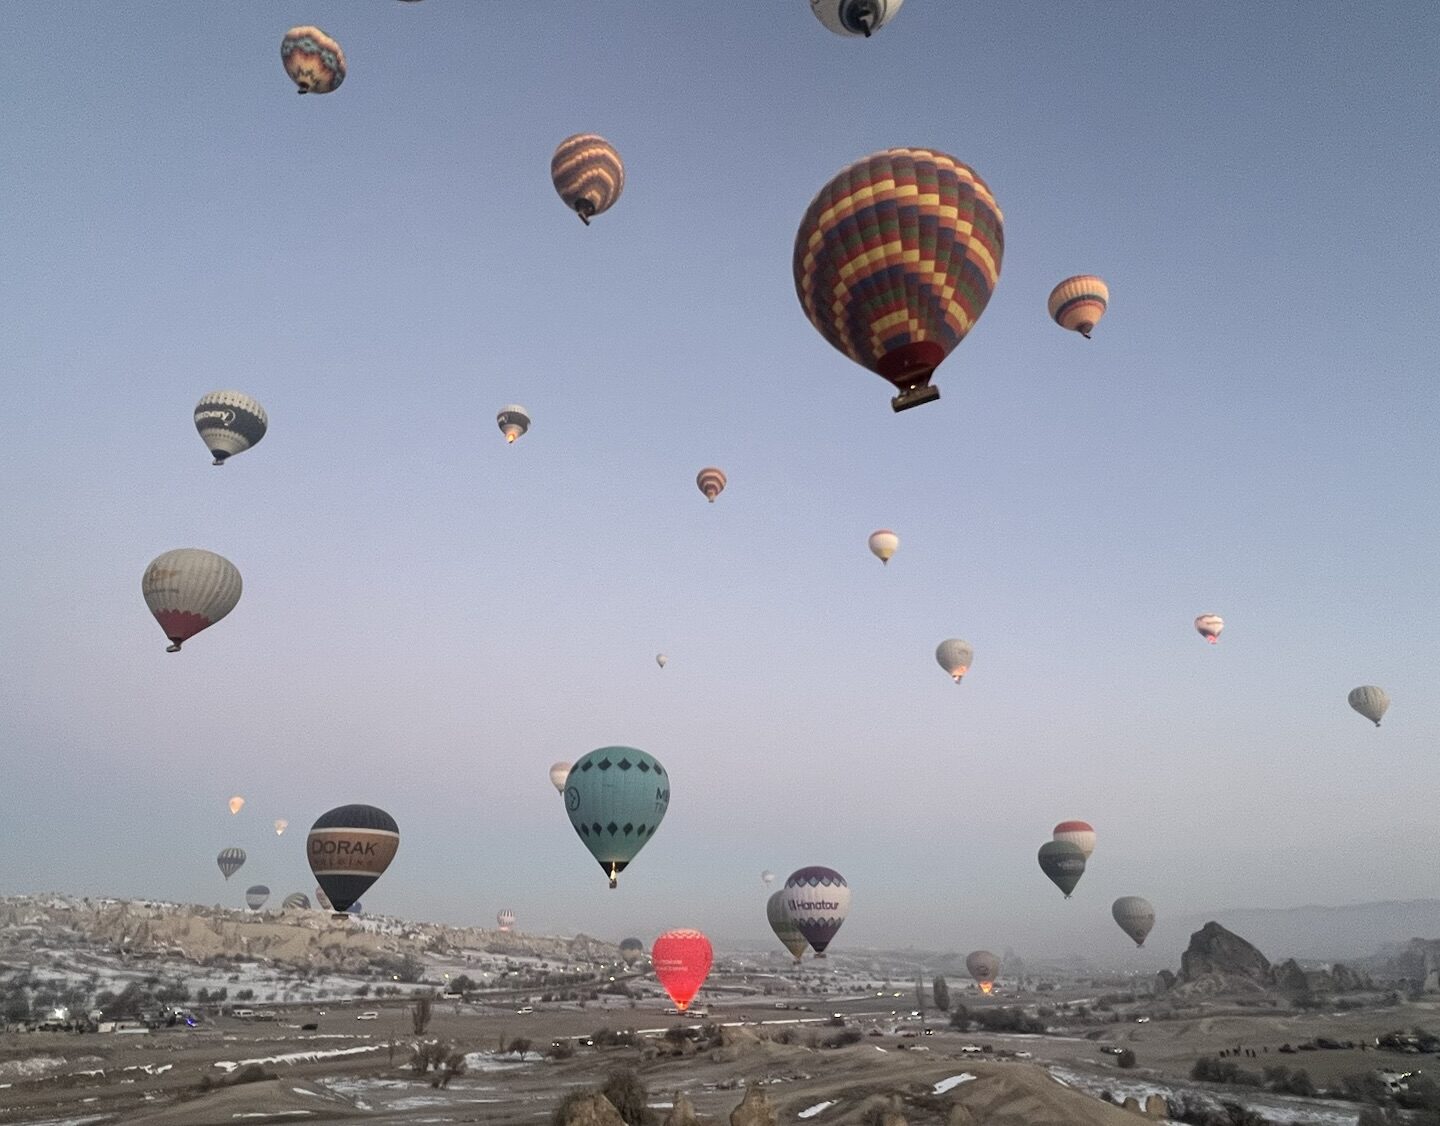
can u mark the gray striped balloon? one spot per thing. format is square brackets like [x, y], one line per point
[588, 174]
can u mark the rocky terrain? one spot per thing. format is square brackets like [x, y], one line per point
[1219, 962]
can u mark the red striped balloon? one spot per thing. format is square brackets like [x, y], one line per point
[682, 963]
[711, 482]
[896, 259]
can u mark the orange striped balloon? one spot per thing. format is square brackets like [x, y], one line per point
[588, 174]
[1078, 303]
[711, 482]
[896, 259]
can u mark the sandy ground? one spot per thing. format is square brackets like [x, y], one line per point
[346, 1071]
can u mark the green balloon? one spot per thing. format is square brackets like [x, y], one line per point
[1064, 863]
[784, 926]
[616, 798]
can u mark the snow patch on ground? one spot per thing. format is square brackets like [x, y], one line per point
[298, 1057]
[953, 1082]
[31, 1068]
[1277, 1109]
[812, 1111]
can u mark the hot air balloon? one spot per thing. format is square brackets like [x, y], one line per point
[558, 773]
[984, 967]
[784, 926]
[295, 900]
[281, 825]
[661, 660]
[616, 798]
[1079, 833]
[1210, 626]
[514, 421]
[1063, 863]
[230, 860]
[817, 900]
[256, 895]
[895, 261]
[230, 422]
[505, 920]
[883, 544]
[711, 482]
[682, 963]
[189, 590]
[355, 908]
[631, 950]
[322, 900]
[1135, 916]
[955, 657]
[349, 849]
[588, 173]
[767, 877]
[237, 803]
[855, 17]
[313, 60]
[1078, 303]
[1369, 701]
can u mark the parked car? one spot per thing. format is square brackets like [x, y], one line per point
[368, 1014]
[525, 1009]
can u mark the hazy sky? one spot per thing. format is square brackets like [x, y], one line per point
[430, 617]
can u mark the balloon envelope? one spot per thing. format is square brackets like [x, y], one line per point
[588, 174]
[682, 963]
[1209, 627]
[230, 860]
[189, 589]
[896, 259]
[631, 950]
[296, 900]
[784, 926]
[984, 967]
[855, 17]
[229, 422]
[514, 421]
[817, 900]
[256, 895]
[1063, 863]
[883, 544]
[314, 61]
[767, 877]
[1079, 833]
[237, 803]
[505, 919]
[349, 848]
[1078, 303]
[661, 660]
[1135, 916]
[322, 900]
[558, 773]
[711, 482]
[281, 825]
[955, 657]
[616, 798]
[1370, 701]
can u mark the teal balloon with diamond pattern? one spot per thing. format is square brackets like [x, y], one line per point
[616, 798]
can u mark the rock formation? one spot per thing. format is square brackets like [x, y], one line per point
[755, 1109]
[592, 1110]
[682, 1113]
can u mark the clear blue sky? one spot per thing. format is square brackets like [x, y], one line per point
[431, 618]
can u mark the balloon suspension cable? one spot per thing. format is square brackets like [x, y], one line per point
[174, 647]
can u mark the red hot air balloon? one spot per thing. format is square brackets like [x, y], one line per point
[682, 963]
[896, 259]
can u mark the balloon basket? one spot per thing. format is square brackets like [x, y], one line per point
[914, 397]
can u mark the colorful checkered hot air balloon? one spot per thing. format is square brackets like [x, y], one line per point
[1078, 303]
[588, 173]
[895, 261]
[313, 60]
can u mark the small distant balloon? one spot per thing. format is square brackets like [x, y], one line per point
[817, 900]
[1135, 916]
[1079, 833]
[281, 825]
[355, 908]
[767, 877]
[588, 174]
[349, 848]
[230, 860]
[1078, 303]
[322, 900]
[711, 482]
[661, 660]
[682, 961]
[1063, 863]
[984, 967]
[255, 896]
[296, 900]
[1209, 627]
[855, 17]
[955, 656]
[631, 950]
[229, 422]
[514, 421]
[785, 928]
[883, 544]
[237, 803]
[188, 590]
[314, 61]
[505, 920]
[1370, 701]
[558, 773]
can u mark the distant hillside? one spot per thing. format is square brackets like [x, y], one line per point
[1350, 932]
